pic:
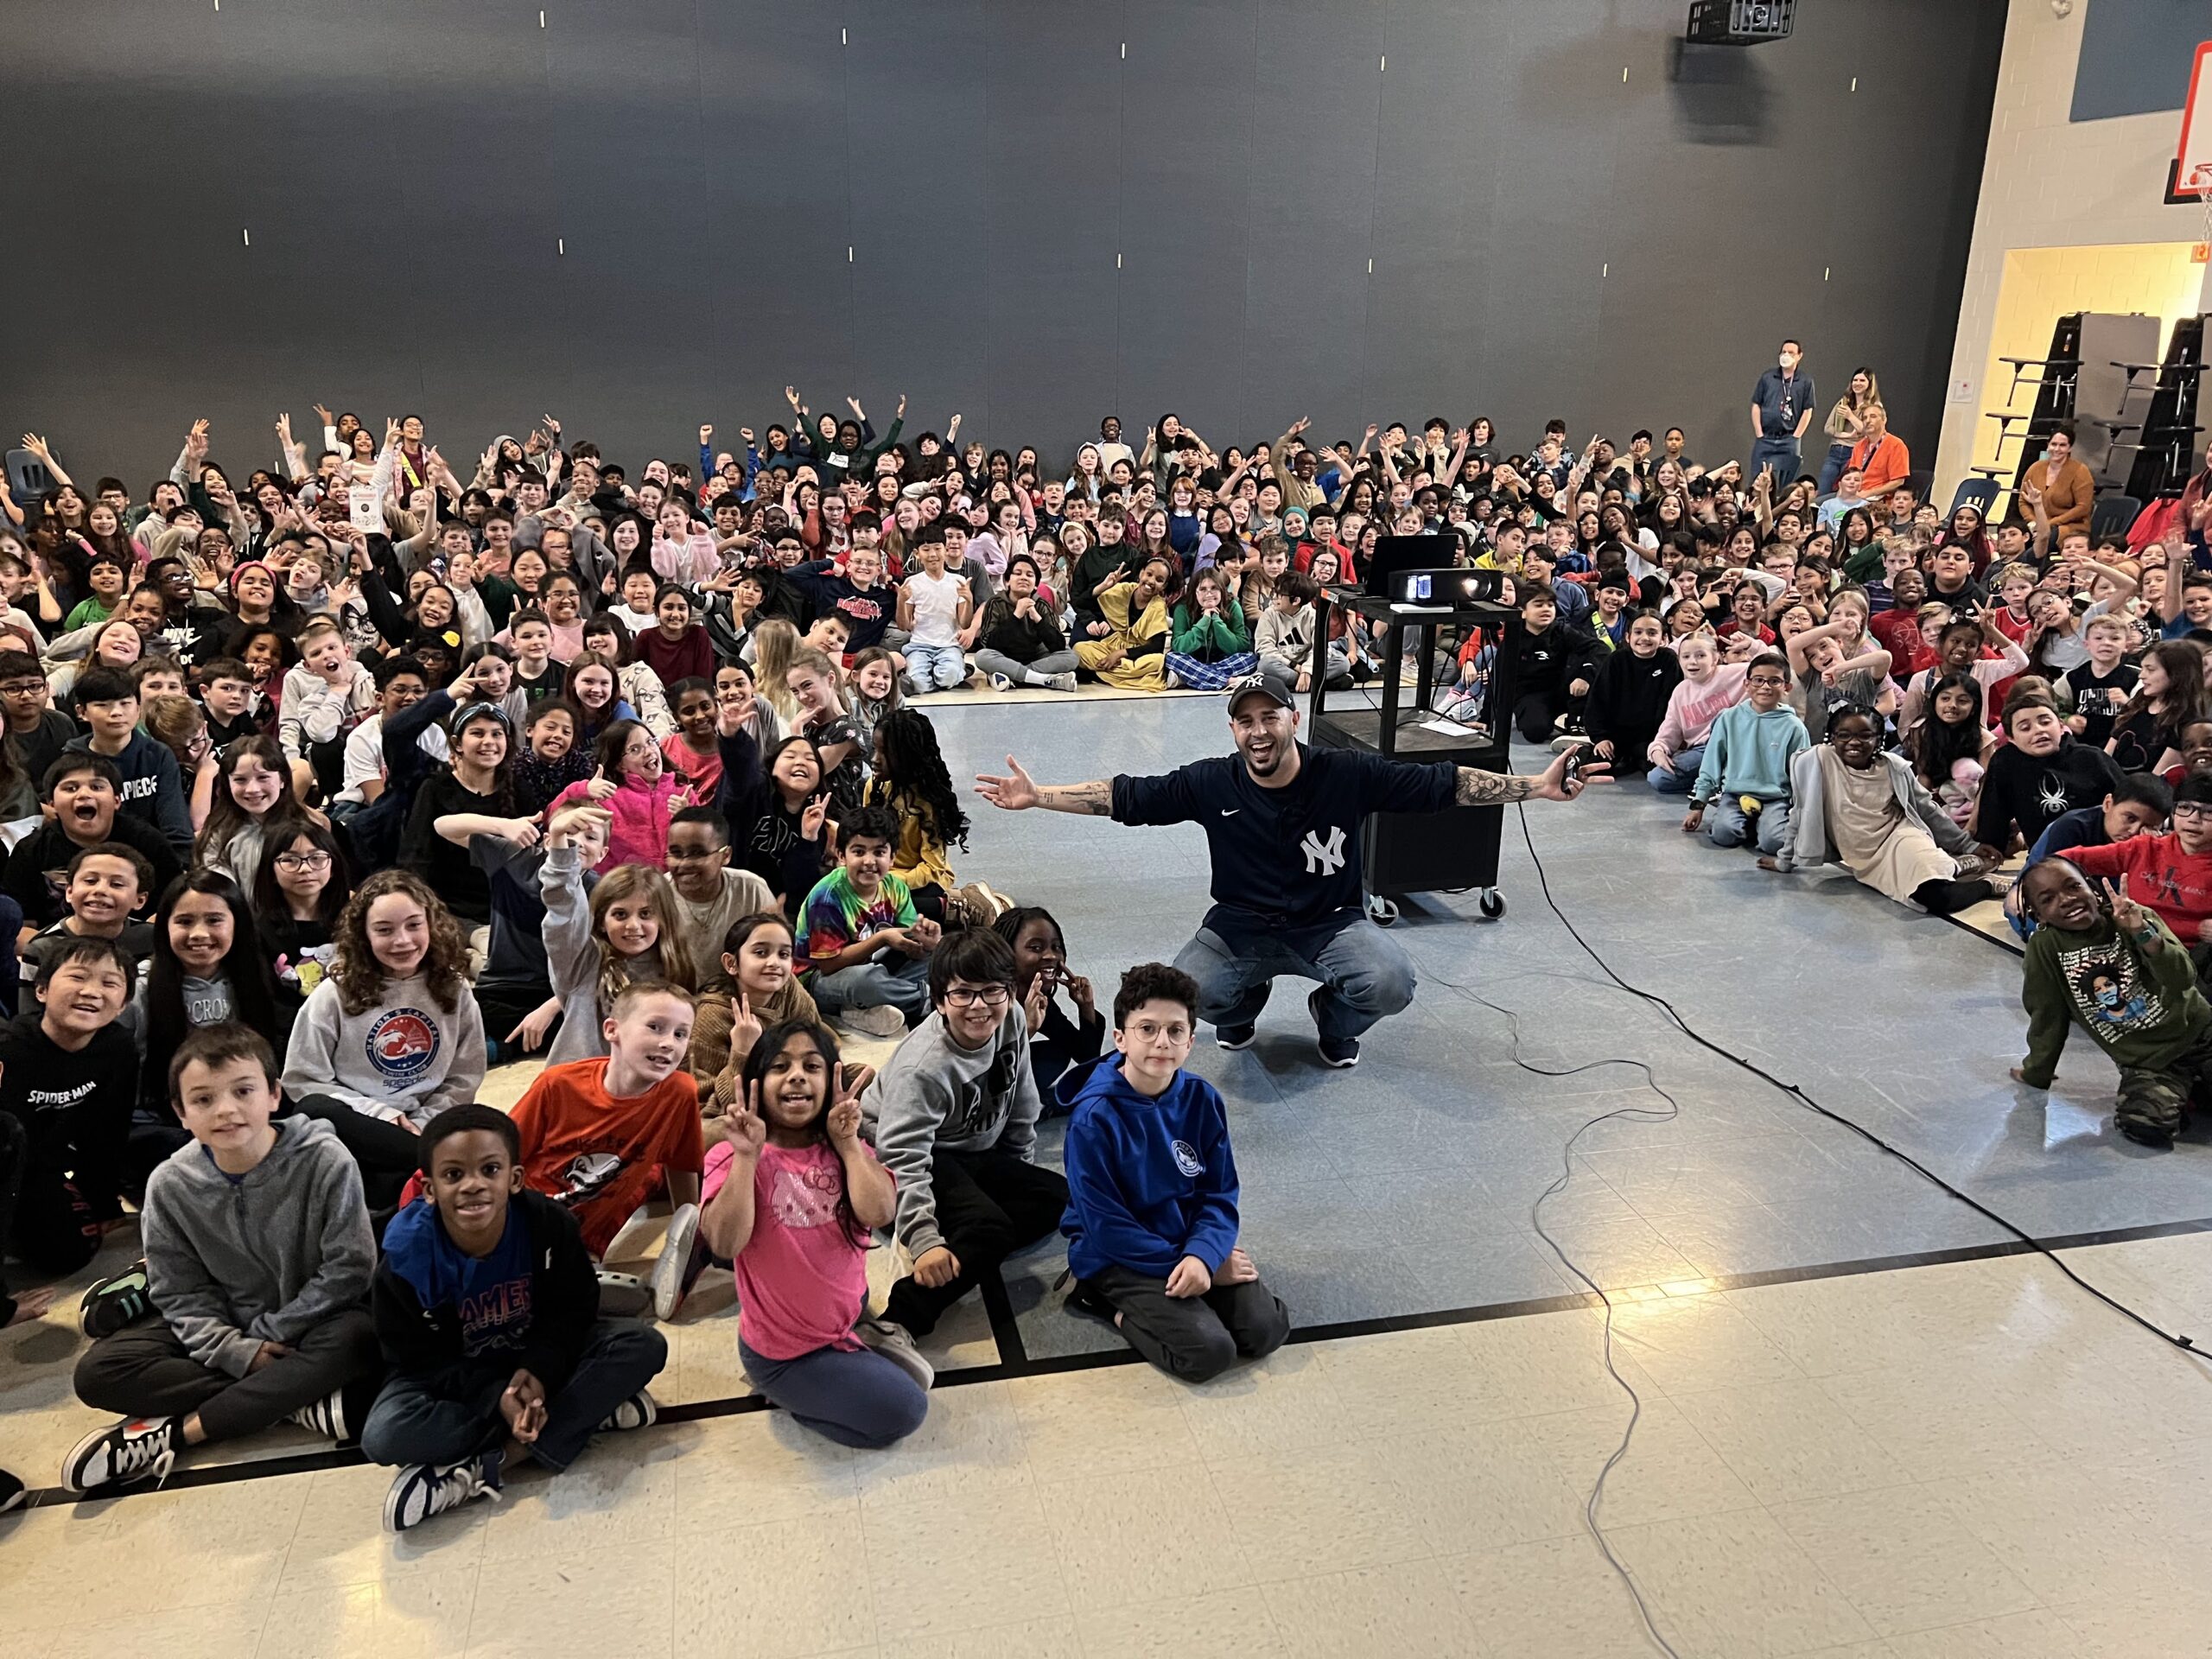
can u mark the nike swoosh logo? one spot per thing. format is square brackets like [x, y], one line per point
[1230, 812]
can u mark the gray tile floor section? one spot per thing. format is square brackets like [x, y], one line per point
[1405, 1186]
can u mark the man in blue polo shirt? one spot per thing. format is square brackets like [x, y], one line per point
[1283, 821]
[1782, 408]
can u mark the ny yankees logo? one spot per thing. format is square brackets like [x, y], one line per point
[1323, 859]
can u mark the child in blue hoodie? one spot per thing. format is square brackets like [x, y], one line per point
[1152, 1193]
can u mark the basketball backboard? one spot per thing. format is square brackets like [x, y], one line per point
[2192, 168]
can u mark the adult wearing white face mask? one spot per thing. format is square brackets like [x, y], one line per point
[1284, 821]
[1782, 408]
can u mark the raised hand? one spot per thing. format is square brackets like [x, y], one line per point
[706, 434]
[323, 415]
[844, 1120]
[744, 1026]
[1016, 792]
[2127, 915]
[1034, 1005]
[816, 813]
[748, 1129]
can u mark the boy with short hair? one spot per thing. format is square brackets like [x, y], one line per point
[401, 683]
[226, 695]
[2116, 969]
[953, 1115]
[599, 1135]
[85, 791]
[1554, 667]
[258, 1257]
[1745, 774]
[36, 729]
[2172, 871]
[323, 700]
[1283, 634]
[107, 883]
[152, 788]
[2094, 692]
[863, 947]
[709, 894]
[537, 674]
[1152, 1216]
[68, 1079]
[487, 1309]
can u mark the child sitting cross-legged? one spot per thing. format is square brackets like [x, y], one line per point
[1707, 686]
[1746, 772]
[2116, 969]
[488, 1311]
[600, 1136]
[1152, 1193]
[954, 1115]
[258, 1257]
[793, 1217]
[865, 947]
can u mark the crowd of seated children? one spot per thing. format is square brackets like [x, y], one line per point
[643, 727]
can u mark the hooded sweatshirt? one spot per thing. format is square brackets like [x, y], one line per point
[403, 1057]
[641, 811]
[233, 1261]
[934, 1096]
[1150, 1178]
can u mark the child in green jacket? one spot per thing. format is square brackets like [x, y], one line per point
[2119, 972]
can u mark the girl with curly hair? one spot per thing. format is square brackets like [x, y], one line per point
[910, 779]
[393, 1037]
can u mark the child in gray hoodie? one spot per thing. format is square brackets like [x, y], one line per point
[258, 1257]
[954, 1117]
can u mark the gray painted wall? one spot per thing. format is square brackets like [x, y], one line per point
[1545, 239]
[2135, 56]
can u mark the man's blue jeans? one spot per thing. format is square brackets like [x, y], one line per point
[1365, 975]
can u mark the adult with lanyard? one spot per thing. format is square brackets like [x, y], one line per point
[1283, 821]
[1782, 408]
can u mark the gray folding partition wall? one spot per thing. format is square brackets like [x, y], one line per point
[641, 214]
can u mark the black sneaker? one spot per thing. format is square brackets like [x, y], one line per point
[323, 1417]
[2145, 1134]
[113, 1303]
[138, 1448]
[430, 1489]
[1083, 1297]
[11, 1493]
[1233, 1037]
[1342, 1055]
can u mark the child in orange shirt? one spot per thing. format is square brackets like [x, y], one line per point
[599, 1135]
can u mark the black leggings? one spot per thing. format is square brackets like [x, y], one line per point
[1946, 897]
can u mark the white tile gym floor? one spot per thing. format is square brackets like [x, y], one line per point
[1870, 1425]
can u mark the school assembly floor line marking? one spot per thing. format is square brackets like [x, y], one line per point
[1015, 1362]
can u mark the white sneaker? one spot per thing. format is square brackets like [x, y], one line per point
[641, 1410]
[1567, 741]
[896, 1343]
[122, 1454]
[1061, 681]
[430, 1489]
[667, 1275]
[1001, 682]
[323, 1417]
[882, 1021]
[1173, 681]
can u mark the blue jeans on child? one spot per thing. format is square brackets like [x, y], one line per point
[856, 1398]
[454, 1415]
[935, 668]
[1730, 826]
[1365, 975]
[1681, 777]
[895, 982]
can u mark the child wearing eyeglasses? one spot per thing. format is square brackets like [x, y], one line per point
[953, 1116]
[1744, 780]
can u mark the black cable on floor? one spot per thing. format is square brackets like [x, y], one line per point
[2176, 1339]
[1640, 1114]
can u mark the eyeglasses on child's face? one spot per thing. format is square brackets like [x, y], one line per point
[967, 997]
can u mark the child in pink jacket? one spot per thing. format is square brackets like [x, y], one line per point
[1708, 686]
[631, 782]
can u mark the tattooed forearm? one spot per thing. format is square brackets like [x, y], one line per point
[1095, 800]
[1492, 788]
